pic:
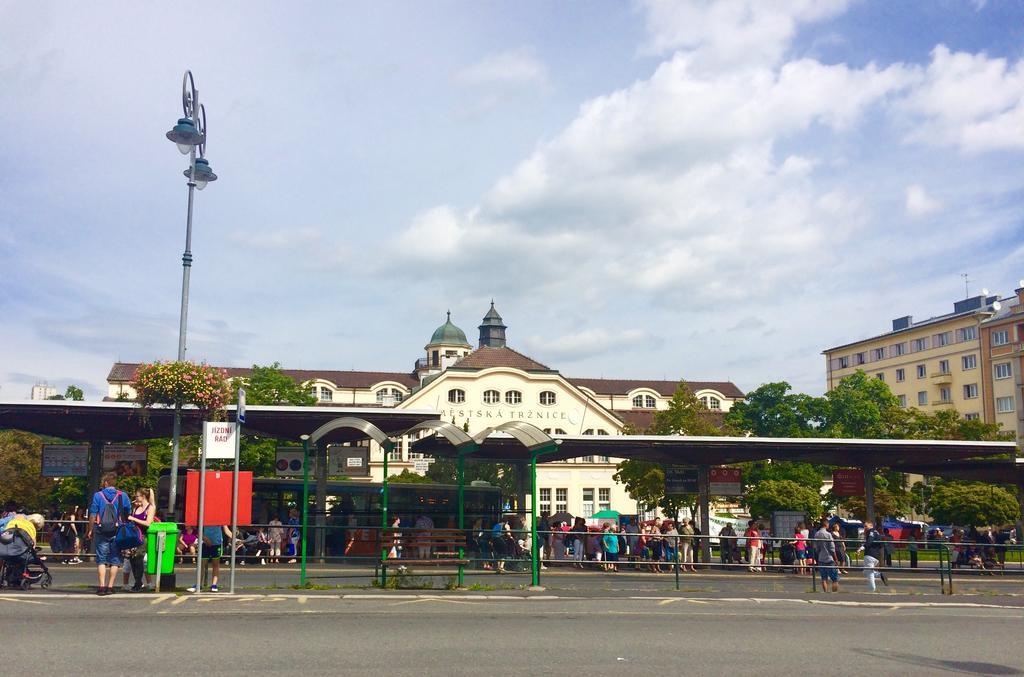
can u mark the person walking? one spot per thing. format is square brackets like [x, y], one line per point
[799, 543]
[108, 511]
[294, 535]
[873, 552]
[826, 557]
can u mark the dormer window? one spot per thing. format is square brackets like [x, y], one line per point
[644, 402]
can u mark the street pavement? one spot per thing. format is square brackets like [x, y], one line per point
[492, 634]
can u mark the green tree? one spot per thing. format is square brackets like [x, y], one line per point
[771, 410]
[21, 462]
[859, 406]
[685, 415]
[772, 495]
[806, 475]
[270, 385]
[407, 477]
[645, 481]
[75, 393]
[972, 504]
[949, 424]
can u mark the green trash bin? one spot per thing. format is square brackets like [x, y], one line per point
[166, 561]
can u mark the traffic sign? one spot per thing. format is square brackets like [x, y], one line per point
[241, 405]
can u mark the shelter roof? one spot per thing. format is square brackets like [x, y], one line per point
[686, 450]
[121, 421]
[618, 386]
[993, 471]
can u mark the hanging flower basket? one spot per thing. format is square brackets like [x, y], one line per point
[182, 383]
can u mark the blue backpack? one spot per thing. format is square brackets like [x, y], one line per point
[109, 520]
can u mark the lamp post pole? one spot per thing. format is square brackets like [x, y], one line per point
[190, 136]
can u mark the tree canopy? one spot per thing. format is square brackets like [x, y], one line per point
[772, 495]
[972, 504]
[270, 385]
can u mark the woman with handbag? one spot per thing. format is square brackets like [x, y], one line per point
[143, 515]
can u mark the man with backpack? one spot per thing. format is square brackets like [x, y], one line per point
[107, 512]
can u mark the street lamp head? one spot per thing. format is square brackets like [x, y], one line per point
[203, 173]
[185, 135]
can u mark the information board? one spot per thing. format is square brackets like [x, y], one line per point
[125, 460]
[681, 480]
[65, 460]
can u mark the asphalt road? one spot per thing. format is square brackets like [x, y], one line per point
[422, 635]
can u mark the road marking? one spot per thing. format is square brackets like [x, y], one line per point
[303, 599]
[180, 600]
[162, 598]
[24, 601]
[435, 599]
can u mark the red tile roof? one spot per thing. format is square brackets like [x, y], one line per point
[614, 386]
[124, 372]
[486, 357]
[642, 419]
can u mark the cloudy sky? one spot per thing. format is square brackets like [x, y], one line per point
[701, 190]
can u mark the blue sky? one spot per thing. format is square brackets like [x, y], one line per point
[662, 190]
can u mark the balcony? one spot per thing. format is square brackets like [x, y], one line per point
[942, 403]
[942, 378]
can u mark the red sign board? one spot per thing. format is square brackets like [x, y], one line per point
[725, 482]
[848, 482]
[217, 501]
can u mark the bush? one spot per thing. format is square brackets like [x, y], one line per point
[772, 495]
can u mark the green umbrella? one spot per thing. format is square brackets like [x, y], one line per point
[606, 515]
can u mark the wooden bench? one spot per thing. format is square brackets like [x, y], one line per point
[444, 545]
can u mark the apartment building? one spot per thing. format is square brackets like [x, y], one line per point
[1002, 348]
[932, 364]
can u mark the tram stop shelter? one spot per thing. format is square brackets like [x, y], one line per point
[521, 443]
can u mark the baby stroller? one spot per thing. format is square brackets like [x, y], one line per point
[20, 565]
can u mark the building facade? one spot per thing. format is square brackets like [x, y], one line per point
[968, 360]
[489, 385]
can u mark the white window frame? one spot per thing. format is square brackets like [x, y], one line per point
[970, 391]
[492, 397]
[901, 375]
[326, 394]
[922, 371]
[587, 506]
[922, 398]
[604, 498]
[561, 499]
[457, 396]
[513, 397]
[1005, 405]
[548, 395]
[1005, 374]
[968, 362]
[1001, 337]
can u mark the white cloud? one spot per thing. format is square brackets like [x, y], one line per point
[920, 203]
[731, 33]
[970, 101]
[511, 68]
[589, 343]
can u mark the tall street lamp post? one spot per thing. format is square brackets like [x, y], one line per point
[190, 136]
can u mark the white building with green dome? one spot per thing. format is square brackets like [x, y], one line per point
[484, 386]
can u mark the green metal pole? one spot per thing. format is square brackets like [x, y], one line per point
[461, 478]
[534, 545]
[384, 520]
[305, 507]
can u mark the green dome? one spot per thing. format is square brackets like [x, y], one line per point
[449, 334]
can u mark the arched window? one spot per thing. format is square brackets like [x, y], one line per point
[548, 398]
[326, 394]
[602, 431]
[397, 394]
[389, 396]
[714, 404]
[456, 395]
[513, 397]
[588, 431]
[559, 431]
[704, 401]
[644, 402]
[492, 397]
